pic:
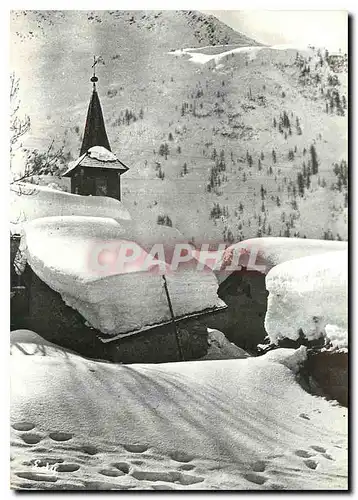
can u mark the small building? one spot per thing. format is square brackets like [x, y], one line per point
[97, 172]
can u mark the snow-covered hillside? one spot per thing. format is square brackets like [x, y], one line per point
[214, 425]
[224, 147]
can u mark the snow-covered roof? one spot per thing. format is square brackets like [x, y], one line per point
[73, 255]
[30, 201]
[96, 157]
[309, 295]
[262, 254]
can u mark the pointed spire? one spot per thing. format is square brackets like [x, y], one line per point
[95, 131]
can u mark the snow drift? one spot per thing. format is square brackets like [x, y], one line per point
[30, 201]
[221, 348]
[309, 295]
[210, 425]
[67, 253]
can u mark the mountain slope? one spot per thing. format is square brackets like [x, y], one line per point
[182, 125]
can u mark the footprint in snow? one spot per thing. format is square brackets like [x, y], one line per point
[162, 487]
[122, 467]
[23, 426]
[67, 467]
[258, 466]
[31, 438]
[135, 448]
[89, 450]
[255, 478]
[186, 467]
[38, 476]
[111, 472]
[180, 456]
[311, 464]
[303, 453]
[102, 485]
[167, 477]
[60, 436]
[320, 449]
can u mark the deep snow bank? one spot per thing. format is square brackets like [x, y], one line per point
[80, 257]
[309, 294]
[30, 201]
[261, 254]
[232, 424]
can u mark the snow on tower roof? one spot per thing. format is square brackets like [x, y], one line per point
[96, 157]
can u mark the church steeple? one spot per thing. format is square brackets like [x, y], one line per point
[97, 172]
[95, 131]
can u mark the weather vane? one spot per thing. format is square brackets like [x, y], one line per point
[94, 79]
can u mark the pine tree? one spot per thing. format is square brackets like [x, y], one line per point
[262, 192]
[300, 184]
[314, 160]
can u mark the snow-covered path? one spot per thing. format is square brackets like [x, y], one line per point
[233, 424]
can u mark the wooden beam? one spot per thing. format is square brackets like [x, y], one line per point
[181, 356]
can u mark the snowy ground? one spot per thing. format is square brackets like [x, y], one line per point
[233, 424]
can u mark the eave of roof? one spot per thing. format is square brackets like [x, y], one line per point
[86, 161]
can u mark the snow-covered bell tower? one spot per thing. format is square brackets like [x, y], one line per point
[97, 171]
